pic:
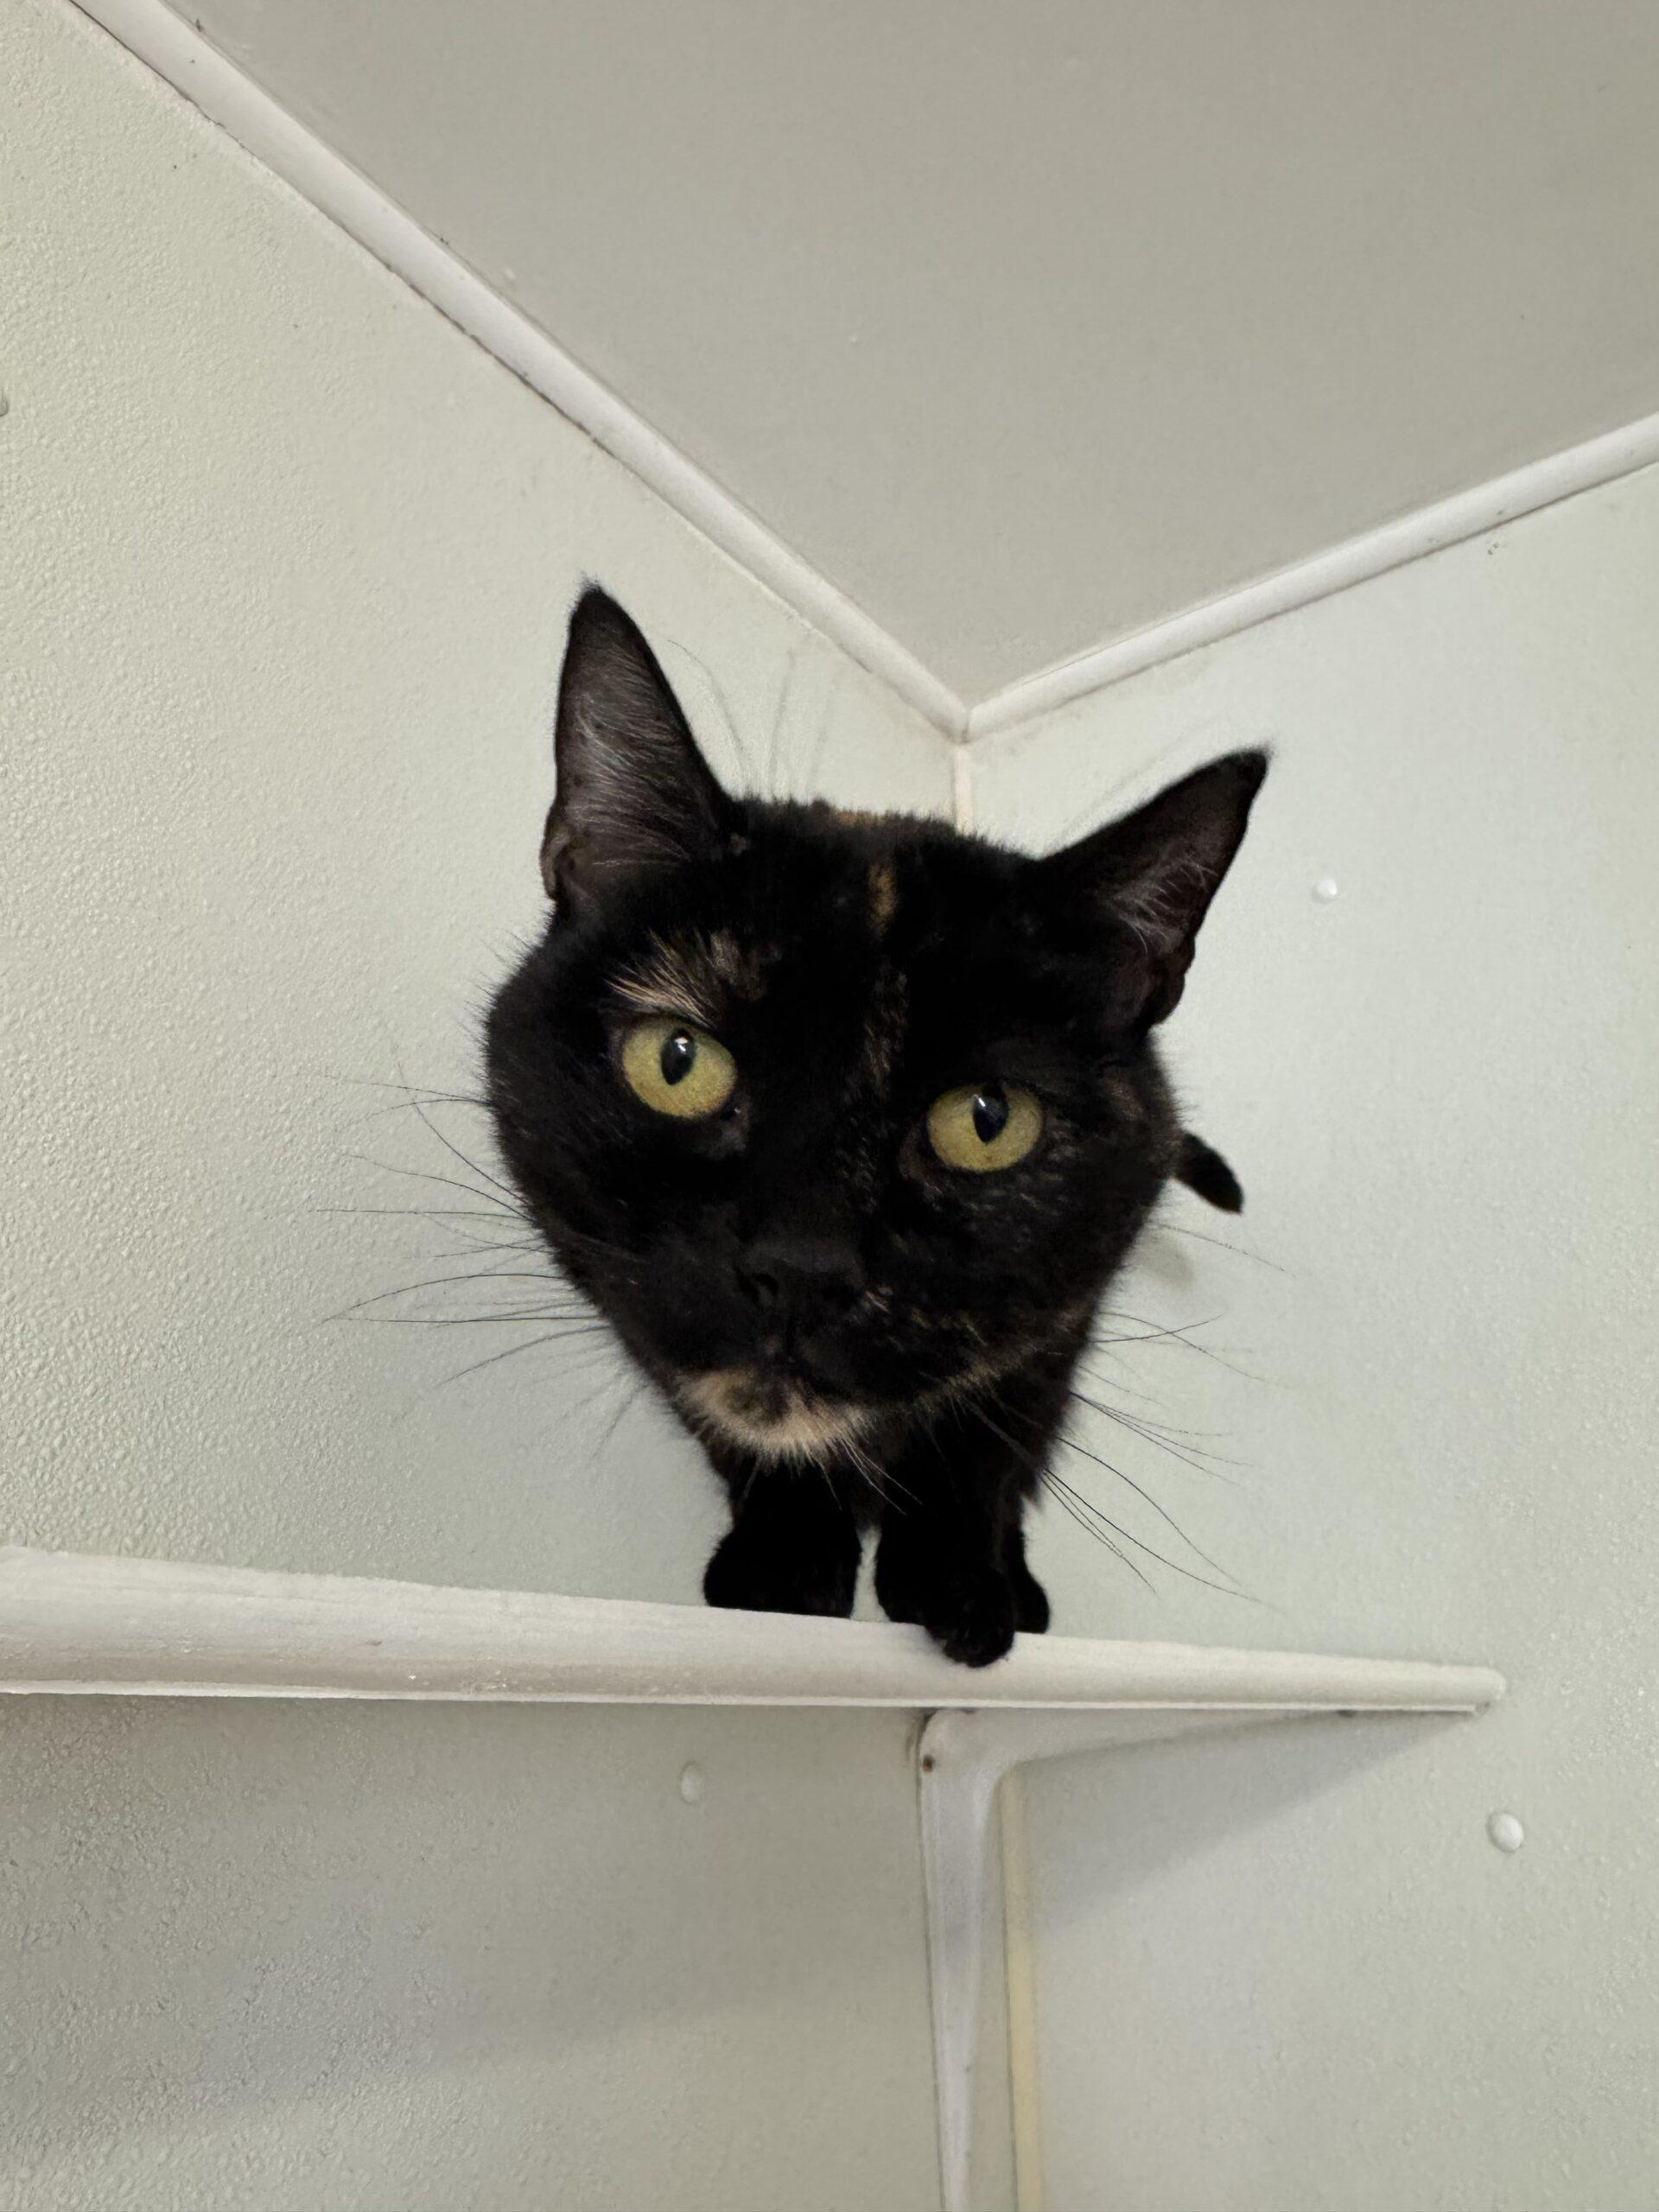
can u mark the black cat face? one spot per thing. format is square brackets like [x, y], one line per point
[834, 1116]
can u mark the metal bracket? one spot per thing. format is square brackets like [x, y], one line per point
[963, 1757]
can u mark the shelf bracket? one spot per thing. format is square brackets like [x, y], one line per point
[962, 1758]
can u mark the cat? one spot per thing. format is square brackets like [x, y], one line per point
[844, 1122]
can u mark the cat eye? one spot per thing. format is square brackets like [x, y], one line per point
[677, 1070]
[982, 1126]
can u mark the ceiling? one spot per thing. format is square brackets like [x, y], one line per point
[1030, 326]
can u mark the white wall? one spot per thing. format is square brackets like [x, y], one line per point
[284, 569]
[1293, 1971]
[456, 1958]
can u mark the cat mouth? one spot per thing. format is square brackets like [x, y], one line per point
[770, 1411]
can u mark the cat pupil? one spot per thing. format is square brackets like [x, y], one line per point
[991, 1115]
[676, 1059]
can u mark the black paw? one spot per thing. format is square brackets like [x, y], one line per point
[755, 1578]
[977, 1625]
[971, 1616]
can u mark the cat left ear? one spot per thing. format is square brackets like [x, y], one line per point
[634, 794]
[1151, 877]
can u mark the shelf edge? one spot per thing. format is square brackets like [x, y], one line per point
[77, 1624]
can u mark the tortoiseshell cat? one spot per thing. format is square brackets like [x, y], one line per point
[844, 1122]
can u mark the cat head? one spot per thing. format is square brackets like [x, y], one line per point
[833, 1115]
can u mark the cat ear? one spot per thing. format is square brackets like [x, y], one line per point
[1151, 876]
[634, 794]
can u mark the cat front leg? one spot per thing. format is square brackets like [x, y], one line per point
[951, 1557]
[793, 1546]
[957, 1588]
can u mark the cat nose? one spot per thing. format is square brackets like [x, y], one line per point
[799, 1273]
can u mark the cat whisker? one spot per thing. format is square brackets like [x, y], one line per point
[821, 736]
[1115, 1382]
[626, 1407]
[588, 1397]
[1221, 1243]
[603, 1248]
[1088, 1505]
[1141, 1491]
[1066, 1506]
[427, 1213]
[1147, 1333]
[465, 1160]
[876, 1478]
[1180, 1335]
[425, 1099]
[437, 1282]
[450, 1182]
[470, 1251]
[1047, 1474]
[415, 1090]
[1190, 1455]
[385, 1083]
[778, 713]
[720, 700]
[572, 1324]
[451, 1217]
[477, 1365]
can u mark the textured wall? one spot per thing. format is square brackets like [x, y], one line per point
[284, 566]
[449, 1958]
[1294, 1970]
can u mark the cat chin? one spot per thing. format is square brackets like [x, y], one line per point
[777, 1420]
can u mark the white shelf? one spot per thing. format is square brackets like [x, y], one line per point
[72, 1623]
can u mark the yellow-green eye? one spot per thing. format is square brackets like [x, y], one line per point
[676, 1068]
[986, 1126]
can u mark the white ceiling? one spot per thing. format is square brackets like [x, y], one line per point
[1029, 325]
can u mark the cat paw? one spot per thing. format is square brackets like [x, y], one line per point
[752, 1579]
[979, 1626]
[972, 1613]
[972, 1620]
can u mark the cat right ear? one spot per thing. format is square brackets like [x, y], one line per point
[1151, 876]
[634, 794]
